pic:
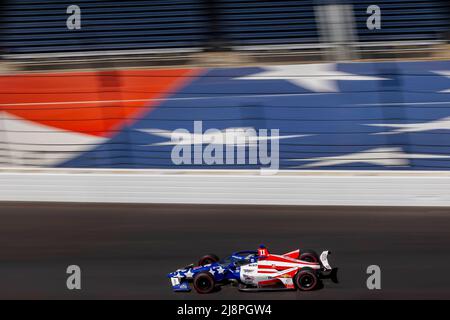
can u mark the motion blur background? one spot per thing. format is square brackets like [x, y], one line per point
[289, 65]
[86, 116]
[108, 93]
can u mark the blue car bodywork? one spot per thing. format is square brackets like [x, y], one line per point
[224, 271]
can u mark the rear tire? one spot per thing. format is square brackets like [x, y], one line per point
[309, 256]
[306, 280]
[208, 259]
[204, 283]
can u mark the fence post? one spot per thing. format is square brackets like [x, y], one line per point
[336, 27]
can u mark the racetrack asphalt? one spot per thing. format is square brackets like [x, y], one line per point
[125, 251]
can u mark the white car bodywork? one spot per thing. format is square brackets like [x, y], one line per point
[279, 268]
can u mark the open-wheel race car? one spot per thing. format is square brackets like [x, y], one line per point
[256, 271]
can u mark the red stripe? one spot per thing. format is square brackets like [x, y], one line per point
[265, 267]
[287, 259]
[293, 254]
[267, 282]
[276, 267]
[107, 97]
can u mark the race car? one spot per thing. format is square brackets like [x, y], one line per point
[256, 271]
[211, 272]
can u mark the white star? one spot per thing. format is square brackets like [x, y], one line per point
[230, 136]
[189, 274]
[379, 156]
[440, 124]
[445, 74]
[212, 271]
[220, 269]
[315, 77]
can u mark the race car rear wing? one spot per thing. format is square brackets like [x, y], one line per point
[324, 260]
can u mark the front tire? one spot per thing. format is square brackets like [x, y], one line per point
[306, 280]
[204, 283]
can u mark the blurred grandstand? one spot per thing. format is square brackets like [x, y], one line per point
[211, 32]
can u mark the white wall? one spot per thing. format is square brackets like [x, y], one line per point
[238, 187]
